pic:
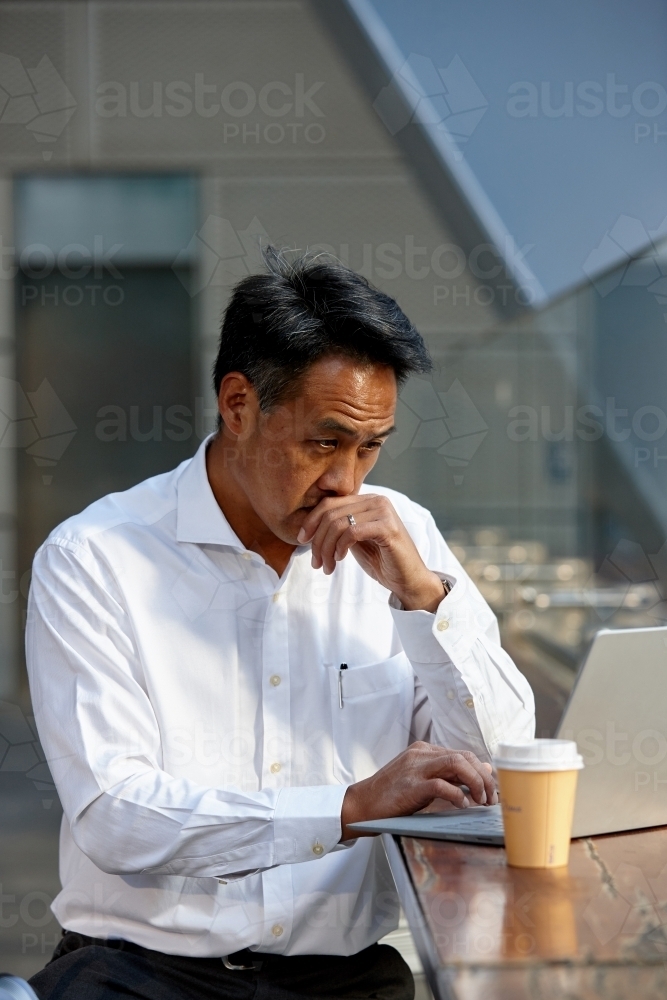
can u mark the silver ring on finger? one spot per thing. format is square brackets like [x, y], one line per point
[350, 518]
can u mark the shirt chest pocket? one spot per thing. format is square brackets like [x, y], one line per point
[373, 726]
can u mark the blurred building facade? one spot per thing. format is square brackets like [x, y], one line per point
[148, 149]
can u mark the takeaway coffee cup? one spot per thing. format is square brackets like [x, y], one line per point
[538, 782]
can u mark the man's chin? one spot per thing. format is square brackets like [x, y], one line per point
[291, 526]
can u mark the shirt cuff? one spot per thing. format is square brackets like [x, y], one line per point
[452, 630]
[307, 822]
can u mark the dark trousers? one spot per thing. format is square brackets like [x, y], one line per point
[84, 968]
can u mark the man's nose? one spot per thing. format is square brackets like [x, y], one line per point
[339, 478]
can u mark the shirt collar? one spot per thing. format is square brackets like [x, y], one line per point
[199, 517]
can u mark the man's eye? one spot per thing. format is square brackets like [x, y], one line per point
[327, 444]
[372, 445]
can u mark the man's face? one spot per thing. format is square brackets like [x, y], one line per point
[322, 443]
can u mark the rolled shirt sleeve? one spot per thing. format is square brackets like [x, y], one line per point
[125, 812]
[470, 695]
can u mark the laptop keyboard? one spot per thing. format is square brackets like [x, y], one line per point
[477, 822]
[474, 825]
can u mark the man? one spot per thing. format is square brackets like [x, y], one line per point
[232, 662]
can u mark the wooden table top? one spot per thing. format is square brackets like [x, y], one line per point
[596, 929]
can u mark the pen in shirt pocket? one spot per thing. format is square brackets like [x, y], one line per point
[342, 667]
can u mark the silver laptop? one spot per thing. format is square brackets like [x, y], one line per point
[617, 713]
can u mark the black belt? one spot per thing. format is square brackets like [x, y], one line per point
[244, 960]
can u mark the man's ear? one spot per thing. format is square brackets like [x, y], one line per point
[238, 406]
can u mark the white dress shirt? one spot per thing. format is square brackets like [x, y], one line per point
[188, 703]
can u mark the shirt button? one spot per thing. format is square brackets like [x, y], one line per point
[246, 555]
[274, 680]
[443, 625]
[318, 849]
[470, 703]
[277, 930]
[451, 695]
[276, 597]
[275, 767]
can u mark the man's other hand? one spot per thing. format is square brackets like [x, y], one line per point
[378, 540]
[415, 778]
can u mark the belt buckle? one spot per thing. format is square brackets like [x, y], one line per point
[240, 968]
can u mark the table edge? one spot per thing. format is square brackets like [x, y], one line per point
[424, 943]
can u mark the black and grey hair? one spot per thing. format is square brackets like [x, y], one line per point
[279, 323]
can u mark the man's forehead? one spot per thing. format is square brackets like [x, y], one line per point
[340, 394]
[344, 384]
[335, 411]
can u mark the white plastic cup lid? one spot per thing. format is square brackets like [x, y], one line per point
[539, 755]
